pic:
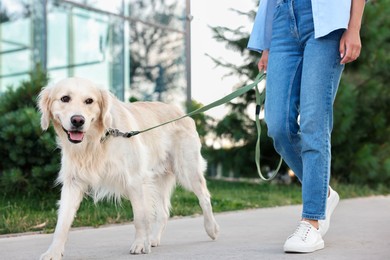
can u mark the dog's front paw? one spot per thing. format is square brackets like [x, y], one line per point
[140, 247]
[49, 255]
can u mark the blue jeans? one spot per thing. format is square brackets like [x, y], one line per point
[303, 75]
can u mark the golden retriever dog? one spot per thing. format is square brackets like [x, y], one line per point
[143, 169]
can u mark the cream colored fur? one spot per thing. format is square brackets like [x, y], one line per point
[143, 169]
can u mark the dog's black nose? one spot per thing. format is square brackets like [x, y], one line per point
[77, 121]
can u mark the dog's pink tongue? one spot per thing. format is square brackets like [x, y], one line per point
[77, 136]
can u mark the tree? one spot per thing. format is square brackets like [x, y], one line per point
[238, 126]
[156, 53]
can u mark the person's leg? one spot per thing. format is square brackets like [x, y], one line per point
[321, 72]
[283, 88]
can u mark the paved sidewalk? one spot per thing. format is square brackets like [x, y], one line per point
[360, 230]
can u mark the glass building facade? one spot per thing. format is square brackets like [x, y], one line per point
[135, 48]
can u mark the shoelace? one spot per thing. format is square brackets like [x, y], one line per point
[302, 230]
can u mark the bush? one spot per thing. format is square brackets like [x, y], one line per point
[25, 95]
[360, 142]
[29, 162]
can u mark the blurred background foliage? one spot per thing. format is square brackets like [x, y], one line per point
[30, 159]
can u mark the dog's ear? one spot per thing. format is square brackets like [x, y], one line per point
[105, 107]
[44, 103]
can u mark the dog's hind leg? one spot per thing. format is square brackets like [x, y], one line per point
[162, 204]
[200, 189]
[189, 170]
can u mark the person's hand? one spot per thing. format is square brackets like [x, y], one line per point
[263, 62]
[350, 45]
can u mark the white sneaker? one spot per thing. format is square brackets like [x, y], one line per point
[333, 200]
[306, 239]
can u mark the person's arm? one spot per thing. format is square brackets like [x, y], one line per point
[263, 62]
[350, 44]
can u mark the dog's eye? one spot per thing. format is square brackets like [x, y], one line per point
[89, 101]
[65, 99]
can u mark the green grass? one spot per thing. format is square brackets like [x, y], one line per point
[25, 214]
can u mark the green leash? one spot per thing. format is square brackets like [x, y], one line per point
[260, 97]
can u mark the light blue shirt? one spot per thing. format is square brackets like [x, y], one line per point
[328, 15]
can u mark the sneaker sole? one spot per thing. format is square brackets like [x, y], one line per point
[311, 249]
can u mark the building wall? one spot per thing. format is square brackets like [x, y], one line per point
[135, 48]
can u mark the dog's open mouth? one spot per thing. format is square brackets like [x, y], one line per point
[74, 136]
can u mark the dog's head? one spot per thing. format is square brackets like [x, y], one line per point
[76, 107]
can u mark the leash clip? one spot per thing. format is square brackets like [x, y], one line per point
[110, 132]
[115, 133]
